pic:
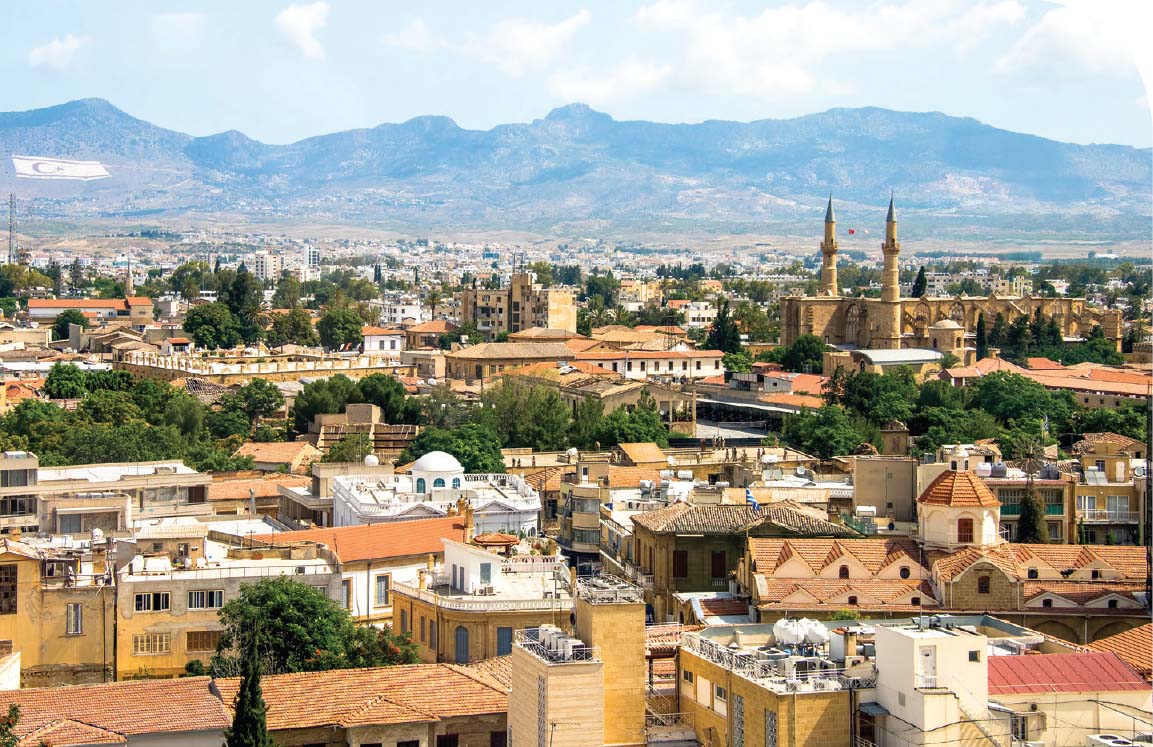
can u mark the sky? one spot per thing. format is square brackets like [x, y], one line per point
[280, 71]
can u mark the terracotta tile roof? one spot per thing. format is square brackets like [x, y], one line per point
[378, 331]
[577, 344]
[131, 708]
[378, 541]
[1062, 673]
[875, 554]
[285, 452]
[1041, 363]
[724, 606]
[785, 399]
[1082, 592]
[989, 365]
[437, 327]
[1089, 440]
[415, 693]
[498, 669]
[643, 453]
[891, 594]
[958, 488]
[64, 732]
[546, 480]
[630, 477]
[263, 487]
[1134, 646]
[964, 372]
[684, 518]
[77, 303]
[138, 301]
[667, 638]
[513, 351]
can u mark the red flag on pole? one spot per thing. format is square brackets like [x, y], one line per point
[852, 231]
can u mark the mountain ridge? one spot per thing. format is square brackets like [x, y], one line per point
[579, 166]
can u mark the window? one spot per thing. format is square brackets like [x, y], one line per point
[1054, 532]
[843, 572]
[447, 740]
[432, 634]
[383, 590]
[719, 564]
[503, 641]
[422, 629]
[74, 620]
[202, 640]
[156, 601]
[1095, 574]
[1046, 602]
[206, 600]
[720, 693]
[1033, 573]
[486, 573]
[420, 483]
[974, 656]
[346, 594]
[1112, 604]
[7, 589]
[905, 573]
[770, 728]
[438, 482]
[687, 676]
[409, 743]
[456, 483]
[145, 644]
[964, 530]
[983, 584]
[586, 536]
[852, 600]
[404, 621]
[916, 601]
[680, 563]
[498, 739]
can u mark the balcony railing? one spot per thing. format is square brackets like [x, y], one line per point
[1104, 516]
[563, 600]
[657, 720]
[774, 671]
[1014, 509]
[925, 681]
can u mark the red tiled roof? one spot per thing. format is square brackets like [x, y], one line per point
[724, 606]
[378, 541]
[1062, 673]
[1134, 646]
[958, 488]
[262, 487]
[376, 331]
[437, 326]
[277, 451]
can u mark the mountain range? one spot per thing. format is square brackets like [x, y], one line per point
[578, 171]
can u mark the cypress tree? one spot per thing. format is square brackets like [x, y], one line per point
[920, 284]
[1031, 526]
[249, 725]
[982, 338]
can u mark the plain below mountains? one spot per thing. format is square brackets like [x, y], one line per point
[578, 171]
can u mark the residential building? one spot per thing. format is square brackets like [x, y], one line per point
[422, 705]
[427, 334]
[467, 609]
[1017, 287]
[58, 609]
[136, 310]
[436, 485]
[1108, 497]
[490, 359]
[266, 266]
[187, 712]
[698, 314]
[382, 341]
[404, 312]
[237, 367]
[695, 548]
[75, 500]
[374, 556]
[587, 687]
[388, 440]
[521, 305]
[312, 503]
[664, 365]
[171, 593]
[1053, 489]
[280, 456]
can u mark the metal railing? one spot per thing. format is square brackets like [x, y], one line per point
[530, 640]
[1105, 516]
[750, 666]
[486, 603]
[657, 720]
[925, 681]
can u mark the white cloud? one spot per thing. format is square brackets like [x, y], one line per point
[299, 24]
[1101, 37]
[519, 45]
[177, 29]
[56, 54]
[415, 36]
[779, 51]
[630, 78]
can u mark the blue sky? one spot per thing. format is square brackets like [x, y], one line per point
[280, 71]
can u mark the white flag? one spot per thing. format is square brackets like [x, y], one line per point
[32, 167]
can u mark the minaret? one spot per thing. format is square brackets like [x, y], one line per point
[829, 254]
[889, 328]
[128, 277]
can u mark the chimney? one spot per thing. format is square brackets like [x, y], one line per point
[423, 581]
[469, 526]
[14, 534]
[430, 564]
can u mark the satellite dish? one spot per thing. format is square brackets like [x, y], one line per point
[372, 460]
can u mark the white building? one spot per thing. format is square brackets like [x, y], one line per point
[402, 312]
[382, 341]
[435, 482]
[266, 266]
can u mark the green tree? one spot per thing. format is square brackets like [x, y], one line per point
[724, 335]
[920, 284]
[65, 381]
[1128, 420]
[124, 442]
[288, 292]
[825, 433]
[324, 396]
[389, 394]
[642, 425]
[8, 737]
[243, 296]
[526, 415]
[476, 447]
[63, 319]
[212, 326]
[352, 448]
[805, 355]
[189, 279]
[738, 362]
[340, 327]
[292, 328]
[1031, 526]
[249, 722]
[109, 406]
[1008, 396]
[982, 338]
[257, 399]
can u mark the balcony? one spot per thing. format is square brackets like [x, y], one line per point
[1104, 516]
[559, 600]
[1014, 509]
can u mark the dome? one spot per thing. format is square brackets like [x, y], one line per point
[437, 461]
[959, 489]
[946, 324]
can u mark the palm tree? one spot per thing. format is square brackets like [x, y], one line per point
[1031, 525]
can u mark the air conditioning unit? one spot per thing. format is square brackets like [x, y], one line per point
[1034, 744]
[488, 590]
[1107, 740]
[301, 570]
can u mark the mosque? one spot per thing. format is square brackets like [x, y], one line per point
[893, 323]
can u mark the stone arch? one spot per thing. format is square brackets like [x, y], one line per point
[1057, 629]
[1112, 628]
[957, 313]
[856, 324]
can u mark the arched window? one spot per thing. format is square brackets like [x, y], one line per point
[455, 483]
[983, 584]
[438, 482]
[843, 572]
[420, 485]
[852, 600]
[905, 573]
[964, 530]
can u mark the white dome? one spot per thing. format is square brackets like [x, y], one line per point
[437, 461]
[946, 324]
[371, 460]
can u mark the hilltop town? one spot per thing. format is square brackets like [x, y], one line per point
[451, 494]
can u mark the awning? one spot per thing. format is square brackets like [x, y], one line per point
[89, 509]
[874, 709]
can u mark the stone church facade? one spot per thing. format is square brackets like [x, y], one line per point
[892, 322]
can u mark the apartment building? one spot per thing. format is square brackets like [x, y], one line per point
[467, 608]
[519, 306]
[266, 266]
[1108, 497]
[135, 309]
[489, 359]
[663, 365]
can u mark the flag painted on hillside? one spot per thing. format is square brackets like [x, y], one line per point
[33, 167]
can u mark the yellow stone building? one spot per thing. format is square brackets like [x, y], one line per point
[520, 306]
[892, 322]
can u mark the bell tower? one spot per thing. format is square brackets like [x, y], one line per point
[889, 318]
[829, 254]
